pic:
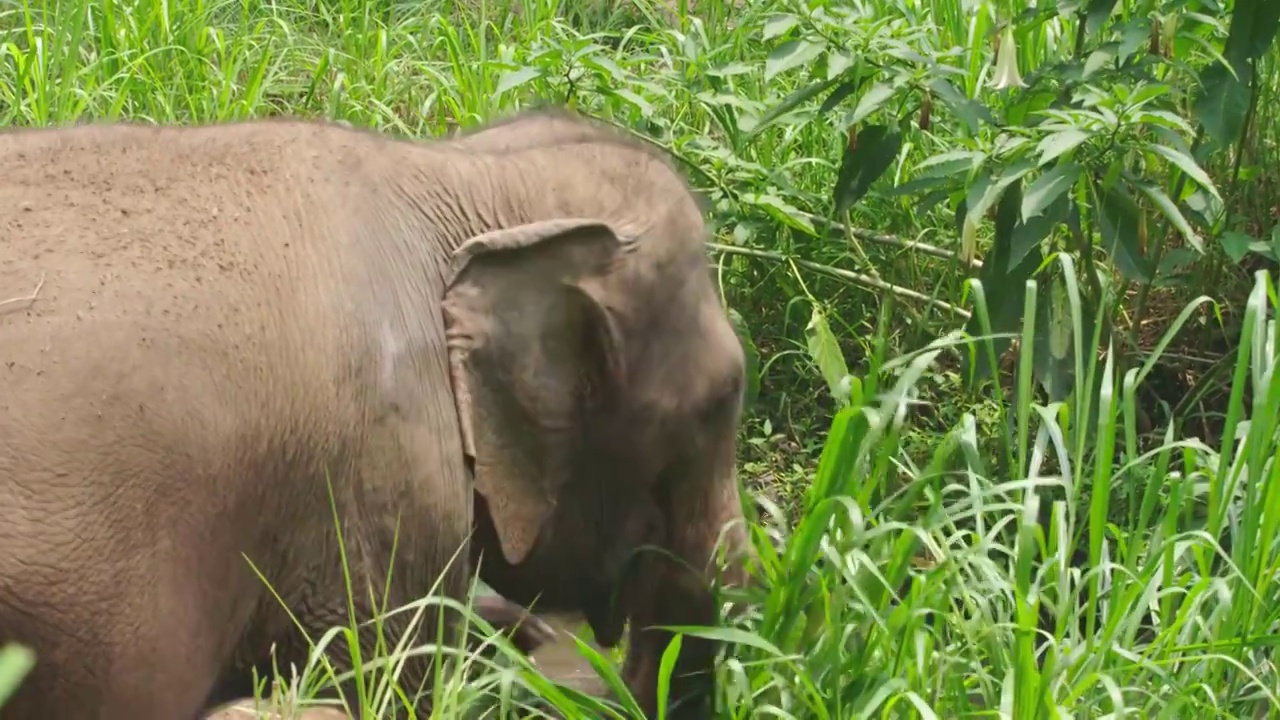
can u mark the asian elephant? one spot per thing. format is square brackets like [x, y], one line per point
[221, 336]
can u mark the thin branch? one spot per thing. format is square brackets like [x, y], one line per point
[816, 220]
[893, 240]
[849, 275]
[24, 298]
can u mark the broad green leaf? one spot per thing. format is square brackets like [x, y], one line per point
[1101, 57]
[1147, 92]
[1047, 188]
[837, 62]
[971, 112]
[1059, 143]
[1186, 165]
[1099, 11]
[1003, 283]
[983, 196]
[825, 353]
[1235, 244]
[872, 100]
[1171, 211]
[515, 78]
[781, 210]
[1054, 366]
[847, 88]
[1221, 104]
[1253, 29]
[874, 151]
[646, 109]
[1120, 224]
[791, 54]
[778, 25]
[1135, 35]
[789, 103]
[1029, 233]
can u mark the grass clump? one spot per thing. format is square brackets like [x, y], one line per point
[1004, 279]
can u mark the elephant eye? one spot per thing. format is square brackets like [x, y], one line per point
[725, 396]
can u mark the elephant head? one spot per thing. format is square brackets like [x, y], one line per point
[599, 386]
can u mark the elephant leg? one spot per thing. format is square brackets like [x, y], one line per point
[112, 655]
[413, 522]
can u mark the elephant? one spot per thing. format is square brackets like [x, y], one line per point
[540, 127]
[288, 350]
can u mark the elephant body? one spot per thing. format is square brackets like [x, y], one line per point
[243, 330]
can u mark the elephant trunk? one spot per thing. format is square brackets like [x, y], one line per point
[705, 515]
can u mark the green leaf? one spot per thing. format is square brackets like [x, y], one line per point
[791, 54]
[1029, 233]
[1171, 211]
[1135, 35]
[1221, 104]
[971, 112]
[1003, 282]
[930, 165]
[778, 25]
[15, 662]
[846, 89]
[836, 464]
[1053, 364]
[870, 101]
[1188, 166]
[1235, 244]
[1098, 59]
[781, 210]
[729, 636]
[635, 99]
[1253, 29]
[838, 61]
[987, 191]
[752, 356]
[1099, 12]
[666, 666]
[1048, 187]
[1120, 223]
[789, 103]
[825, 353]
[515, 78]
[874, 151]
[1059, 143]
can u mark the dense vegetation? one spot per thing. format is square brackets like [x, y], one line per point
[1070, 512]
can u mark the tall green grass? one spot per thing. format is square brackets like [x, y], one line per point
[925, 551]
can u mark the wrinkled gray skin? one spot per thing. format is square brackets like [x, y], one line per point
[524, 342]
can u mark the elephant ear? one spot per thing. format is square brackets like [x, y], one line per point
[530, 344]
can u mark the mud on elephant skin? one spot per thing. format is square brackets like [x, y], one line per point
[242, 328]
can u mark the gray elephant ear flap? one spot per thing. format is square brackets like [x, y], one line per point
[530, 338]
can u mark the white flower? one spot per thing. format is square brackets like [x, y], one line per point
[1006, 74]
